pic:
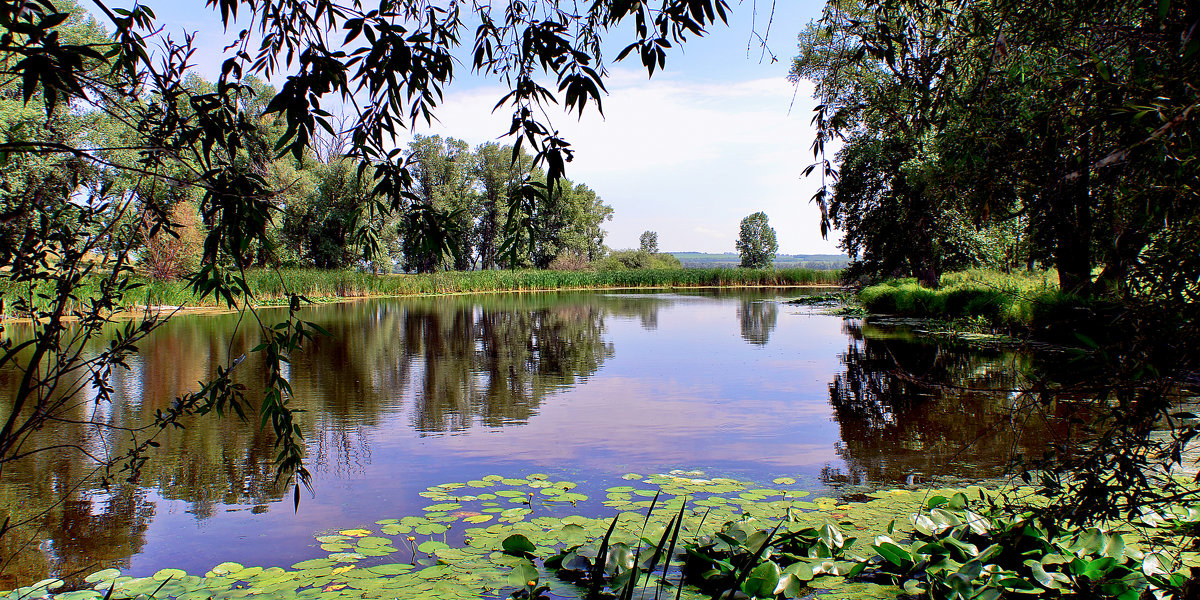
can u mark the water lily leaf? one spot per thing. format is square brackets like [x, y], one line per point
[442, 507]
[762, 580]
[396, 529]
[103, 575]
[346, 556]
[570, 497]
[431, 529]
[331, 539]
[390, 569]
[631, 476]
[227, 568]
[79, 595]
[373, 542]
[523, 574]
[802, 571]
[783, 481]
[431, 546]
[356, 532]
[54, 583]
[478, 518]
[518, 544]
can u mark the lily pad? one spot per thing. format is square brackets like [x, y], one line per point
[316, 563]
[431, 546]
[104, 575]
[227, 568]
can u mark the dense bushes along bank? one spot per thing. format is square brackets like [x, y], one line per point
[271, 285]
[1013, 302]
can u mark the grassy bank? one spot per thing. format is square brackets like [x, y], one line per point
[1013, 301]
[270, 285]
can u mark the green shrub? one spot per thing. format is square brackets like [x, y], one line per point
[1001, 299]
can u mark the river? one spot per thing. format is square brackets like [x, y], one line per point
[583, 386]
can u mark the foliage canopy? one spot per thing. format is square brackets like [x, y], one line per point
[756, 242]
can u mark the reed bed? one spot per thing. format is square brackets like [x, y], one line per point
[272, 286]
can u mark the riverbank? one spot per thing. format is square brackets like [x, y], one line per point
[272, 287]
[1024, 304]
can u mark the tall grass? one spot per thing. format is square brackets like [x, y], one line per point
[271, 286]
[1022, 299]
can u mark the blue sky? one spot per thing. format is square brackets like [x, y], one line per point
[688, 153]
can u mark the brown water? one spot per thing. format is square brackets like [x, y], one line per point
[586, 386]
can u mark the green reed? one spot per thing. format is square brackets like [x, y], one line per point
[271, 286]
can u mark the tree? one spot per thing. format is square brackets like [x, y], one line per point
[500, 174]
[443, 173]
[136, 116]
[1072, 123]
[756, 242]
[649, 242]
[321, 223]
[1068, 120]
[172, 253]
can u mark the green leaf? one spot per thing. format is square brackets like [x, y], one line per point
[523, 575]
[518, 545]
[894, 554]
[431, 546]
[800, 570]
[762, 580]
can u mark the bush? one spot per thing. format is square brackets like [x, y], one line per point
[1002, 299]
[618, 260]
[570, 262]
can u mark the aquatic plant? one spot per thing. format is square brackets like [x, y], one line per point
[335, 284]
[681, 535]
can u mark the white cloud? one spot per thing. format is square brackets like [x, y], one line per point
[686, 159]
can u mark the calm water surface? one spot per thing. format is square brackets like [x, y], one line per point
[584, 386]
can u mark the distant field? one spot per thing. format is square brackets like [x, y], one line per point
[702, 260]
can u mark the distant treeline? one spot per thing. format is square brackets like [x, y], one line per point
[820, 262]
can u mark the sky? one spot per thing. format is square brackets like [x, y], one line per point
[687, 153]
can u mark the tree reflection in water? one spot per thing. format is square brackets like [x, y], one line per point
[909, 409]
[758, 319]
[462, 362]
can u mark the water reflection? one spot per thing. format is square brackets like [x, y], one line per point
[758, 319]
[408, 393]
[909, 408]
